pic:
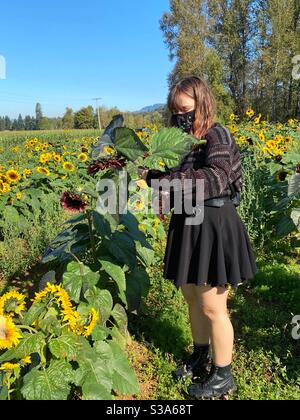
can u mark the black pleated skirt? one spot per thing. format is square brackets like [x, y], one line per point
[216, 252]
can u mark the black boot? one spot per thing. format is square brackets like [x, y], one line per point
[197, 364]
[219, 383]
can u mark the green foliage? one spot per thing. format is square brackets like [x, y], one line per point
[66, 356]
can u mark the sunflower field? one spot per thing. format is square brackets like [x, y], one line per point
[70, 333]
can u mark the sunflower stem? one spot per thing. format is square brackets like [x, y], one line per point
[26, 327]
[92, 238]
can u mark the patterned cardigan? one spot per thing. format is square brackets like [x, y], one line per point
[218, 163]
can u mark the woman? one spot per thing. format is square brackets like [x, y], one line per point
[205, 259]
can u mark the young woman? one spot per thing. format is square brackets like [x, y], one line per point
[205, 259]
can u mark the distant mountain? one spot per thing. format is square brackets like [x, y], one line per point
[151, 108]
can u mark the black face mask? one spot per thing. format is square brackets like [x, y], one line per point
[184, 121]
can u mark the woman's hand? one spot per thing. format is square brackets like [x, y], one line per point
[143, 172]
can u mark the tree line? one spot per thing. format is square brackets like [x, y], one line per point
[84, 118]
[244, 49]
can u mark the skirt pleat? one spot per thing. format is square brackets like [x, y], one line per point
[216, 252]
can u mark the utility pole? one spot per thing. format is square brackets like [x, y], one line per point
[98, 112]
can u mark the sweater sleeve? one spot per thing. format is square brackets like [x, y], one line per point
[216, 169]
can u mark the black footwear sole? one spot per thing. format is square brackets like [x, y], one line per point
[219, 396]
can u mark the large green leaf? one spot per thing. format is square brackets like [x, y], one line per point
[124, 378]
[137, 283]
[33, 313]
[123, 248]
[285, 226]
[291, 157]
[102, 224]
[76, 219]
[94, 376]
[169, 145]
[118, 275]
[78, 278]
[30, 343]
[120, 316]
[145, 254]
[67, 346]
[132, 225]
[101, 300]
[128, 143]
[48, 384]
[10, 215]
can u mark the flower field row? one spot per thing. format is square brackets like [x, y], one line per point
[69, 341]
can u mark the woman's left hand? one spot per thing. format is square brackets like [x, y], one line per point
[143, 172]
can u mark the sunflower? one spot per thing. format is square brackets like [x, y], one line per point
[233, 128]
[9, 366]
[142, 227]
[13, 176]
[73, 202]
[27, 172]
[139, 204]
[43, 171]
[288, 140]
[108, 150]
[271, 144]
[93, 315]
[69, 166]
[242, 139]
[10, 335]
[262, 136]
[233, 117]
[56, 157]
[5, 188]
[142, 184]
[83, 157]
[281, 176]
[250, 112]
[26, 360]
[44, 158]
[266, 151]
[257, 119]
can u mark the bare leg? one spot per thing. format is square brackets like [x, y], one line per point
[213, 301]
[200, 324]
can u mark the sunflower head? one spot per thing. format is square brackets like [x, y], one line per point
[72, 202]
[83, 157]
[250, 113]
[69, 166]
[13, 176]
[10, 335]
[43, 171]
[281, 176]
[12, 303]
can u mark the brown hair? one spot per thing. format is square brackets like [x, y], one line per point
[205, 103]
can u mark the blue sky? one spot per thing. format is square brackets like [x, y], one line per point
[64, 53]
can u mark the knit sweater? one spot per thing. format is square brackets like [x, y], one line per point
[217, 162]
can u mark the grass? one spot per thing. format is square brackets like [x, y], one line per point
[266, 357]
[19, 252]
